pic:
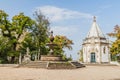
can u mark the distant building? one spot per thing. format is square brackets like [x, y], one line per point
[95, 46]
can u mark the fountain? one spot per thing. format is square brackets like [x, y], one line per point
[51, 56]
[51, 45]
[51, 61]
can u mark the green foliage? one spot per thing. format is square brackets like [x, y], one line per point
[22, 32]
[64, 57]
[116, 33]
[81, 55]
[62, 42]
[14, 31]
[4, 47]
[13, 53]
[115, 48]
[113, 57]
[40, 33]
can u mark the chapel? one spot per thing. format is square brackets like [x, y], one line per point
[95, 46]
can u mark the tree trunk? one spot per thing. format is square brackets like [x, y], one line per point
[20, 58]
[12, 59]
[38, 57]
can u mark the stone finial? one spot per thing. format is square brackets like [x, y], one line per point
[94, 19]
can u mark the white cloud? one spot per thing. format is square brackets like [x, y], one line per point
[58, 14]
[66, 22]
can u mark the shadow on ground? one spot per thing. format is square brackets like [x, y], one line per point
[115, 79]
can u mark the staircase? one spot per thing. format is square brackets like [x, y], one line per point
[77, 64]
[52, 65]
[35, 64]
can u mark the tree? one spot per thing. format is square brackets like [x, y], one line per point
[81, 55]
[115, 48]
[15, 31]
[5, 26]
[40, 33]
[116, 33]
[62, 43]
[21, 24]
[4, 47]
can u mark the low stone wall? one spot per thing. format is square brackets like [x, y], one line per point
[9, 65]
[50, 58]
[60, 65]
[115, 63]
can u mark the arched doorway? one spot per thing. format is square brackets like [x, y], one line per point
[93, 58]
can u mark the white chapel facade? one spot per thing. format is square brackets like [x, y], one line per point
[95, 46]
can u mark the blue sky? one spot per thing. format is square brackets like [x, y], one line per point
[72, 18]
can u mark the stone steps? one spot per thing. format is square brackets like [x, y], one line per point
[52, 65]
[77, 64]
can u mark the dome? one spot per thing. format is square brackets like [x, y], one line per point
[95, 30]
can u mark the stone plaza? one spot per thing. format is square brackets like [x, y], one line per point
[87, 73]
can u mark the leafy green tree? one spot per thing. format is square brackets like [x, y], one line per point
[4, 47]
[15, 31]
[40, 33]
[62, 43]
[5, 31]
[22, 32]
[21, 24]
[115, 48]
[81, 55]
